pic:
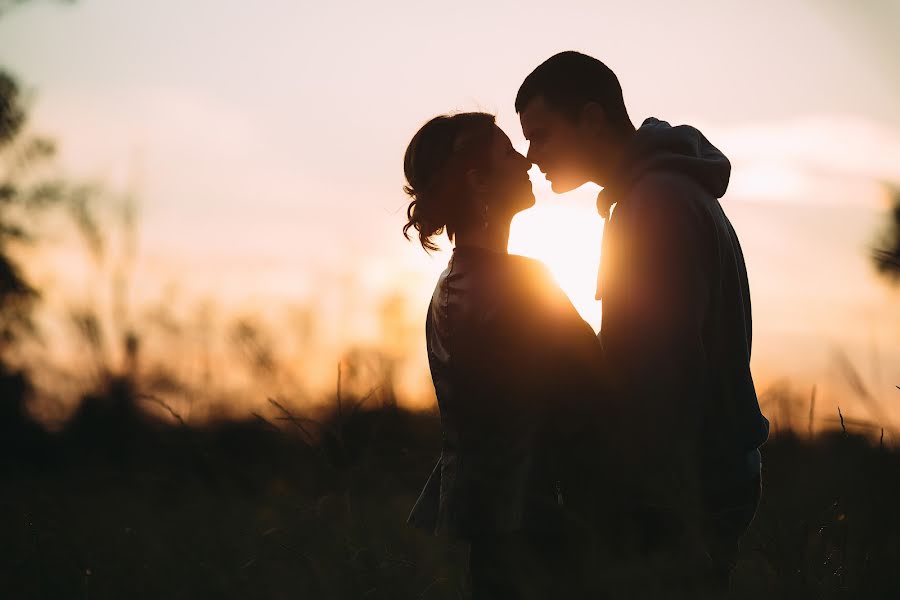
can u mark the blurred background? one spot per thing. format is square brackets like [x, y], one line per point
[213, 381]
[206, 196]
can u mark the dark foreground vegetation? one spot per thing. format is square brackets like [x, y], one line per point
[122, 505]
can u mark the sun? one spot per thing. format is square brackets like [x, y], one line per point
[565, 234]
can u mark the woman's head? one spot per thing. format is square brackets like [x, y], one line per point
[462, 172]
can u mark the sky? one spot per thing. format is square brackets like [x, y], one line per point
[264, 142]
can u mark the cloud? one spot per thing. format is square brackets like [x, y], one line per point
[840, 144]
[822, 158]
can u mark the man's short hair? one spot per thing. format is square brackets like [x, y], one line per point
[569, 80]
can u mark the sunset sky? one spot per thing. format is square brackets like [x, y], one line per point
[264, 141]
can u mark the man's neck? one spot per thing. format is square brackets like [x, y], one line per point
[613, 157]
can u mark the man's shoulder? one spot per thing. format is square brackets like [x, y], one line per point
[661, 186]
[668, 208]
[669, 195]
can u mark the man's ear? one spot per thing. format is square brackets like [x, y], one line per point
[593, 118]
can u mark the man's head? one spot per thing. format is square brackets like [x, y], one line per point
[573, 115]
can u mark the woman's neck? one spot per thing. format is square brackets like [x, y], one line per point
[495, 237]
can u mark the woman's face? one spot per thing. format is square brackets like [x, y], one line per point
[508, 186]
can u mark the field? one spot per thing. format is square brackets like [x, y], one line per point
[119, 504]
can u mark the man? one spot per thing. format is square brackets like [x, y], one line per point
[676, 328]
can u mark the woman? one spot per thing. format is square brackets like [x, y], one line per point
[513, 365]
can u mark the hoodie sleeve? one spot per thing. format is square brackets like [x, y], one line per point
[666, 294]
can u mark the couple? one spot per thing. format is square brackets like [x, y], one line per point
[579, 466]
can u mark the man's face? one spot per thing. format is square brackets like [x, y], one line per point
[557, 145]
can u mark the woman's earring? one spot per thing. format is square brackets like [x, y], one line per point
[485, 217]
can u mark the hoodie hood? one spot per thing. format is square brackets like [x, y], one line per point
[657, 146]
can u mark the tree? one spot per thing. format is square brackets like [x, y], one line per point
[17, 296]
[29, 190]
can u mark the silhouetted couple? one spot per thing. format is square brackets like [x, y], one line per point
[576, 466]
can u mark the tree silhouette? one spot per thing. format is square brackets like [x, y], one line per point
[16, 295]
[19, 196]
[29, 189]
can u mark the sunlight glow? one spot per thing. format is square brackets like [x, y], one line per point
[566, 237]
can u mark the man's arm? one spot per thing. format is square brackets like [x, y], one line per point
[666, 292]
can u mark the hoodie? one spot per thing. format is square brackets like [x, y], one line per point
[676, 328]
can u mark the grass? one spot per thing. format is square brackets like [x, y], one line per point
[119, 504]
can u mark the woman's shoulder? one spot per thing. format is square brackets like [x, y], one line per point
[529, 265]
[498, 268]
[539, 292]
[531, 274]
[484, 277]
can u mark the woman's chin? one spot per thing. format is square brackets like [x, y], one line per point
[521, 200]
